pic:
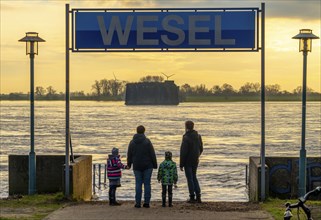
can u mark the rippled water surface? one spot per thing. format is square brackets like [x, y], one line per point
[230, 131]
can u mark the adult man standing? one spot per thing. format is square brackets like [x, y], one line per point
[142, 155]
[191, 149]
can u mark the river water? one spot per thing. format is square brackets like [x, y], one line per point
[230, 131]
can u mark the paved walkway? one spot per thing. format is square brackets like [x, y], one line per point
[156, 212]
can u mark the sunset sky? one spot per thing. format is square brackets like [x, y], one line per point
[284, 19]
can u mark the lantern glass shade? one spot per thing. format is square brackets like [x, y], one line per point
[30, 49]
[32, 40]
[308, 43]
[305, 36]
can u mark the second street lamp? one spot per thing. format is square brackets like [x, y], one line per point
[305, 36]
[32, 40]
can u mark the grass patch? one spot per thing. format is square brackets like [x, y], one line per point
[30, 207]
[276, 207]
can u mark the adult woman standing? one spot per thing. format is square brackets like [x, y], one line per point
[141, 155]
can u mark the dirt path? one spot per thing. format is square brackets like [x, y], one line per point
[181, 210]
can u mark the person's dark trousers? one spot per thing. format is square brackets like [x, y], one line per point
[168, 188]
[143, 177]
[112, 195]
[192, 182]
[164, 189]
[170, 195]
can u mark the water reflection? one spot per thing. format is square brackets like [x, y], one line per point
[231, 133]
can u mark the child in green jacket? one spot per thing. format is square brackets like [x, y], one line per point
[167, 175]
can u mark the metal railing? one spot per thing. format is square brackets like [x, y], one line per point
[98, 170]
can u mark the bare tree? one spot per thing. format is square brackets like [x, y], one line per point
[227, 89]
[77, 94]
[298, 90]
[51, 91]
[201, 90]
[273, 89]
[152, 79]
[186, 89]
[116, 87]
[216, 90]
[105, 87]
[40, 91]
[250, 88]
[96, 87]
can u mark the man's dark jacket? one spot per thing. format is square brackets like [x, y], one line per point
[141, 153]
[191, 149]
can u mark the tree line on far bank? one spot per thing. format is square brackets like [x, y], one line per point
[114, 90]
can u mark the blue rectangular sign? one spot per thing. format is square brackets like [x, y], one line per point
[155, 30]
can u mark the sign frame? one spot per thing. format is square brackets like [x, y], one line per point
[166, 10]
[260, 46]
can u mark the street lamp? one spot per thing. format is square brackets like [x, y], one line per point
[32, 40]
[305, 36]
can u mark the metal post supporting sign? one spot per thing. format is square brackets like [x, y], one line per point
[67, 157]
[262, 102]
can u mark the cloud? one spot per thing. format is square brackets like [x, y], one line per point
[284, 19]
[303, 9]
[113, 3]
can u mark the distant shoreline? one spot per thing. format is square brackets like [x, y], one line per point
[182, 97]
[231, 98]
[190, 99]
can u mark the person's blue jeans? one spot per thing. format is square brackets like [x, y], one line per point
[143, 177]
[192, 182]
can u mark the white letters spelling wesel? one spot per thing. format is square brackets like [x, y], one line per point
[179, 32]
[115, 25]
[141, 30]
[193, 28]
[218, 33]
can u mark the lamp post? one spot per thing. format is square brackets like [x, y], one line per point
[32, 40]
[305, 36]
